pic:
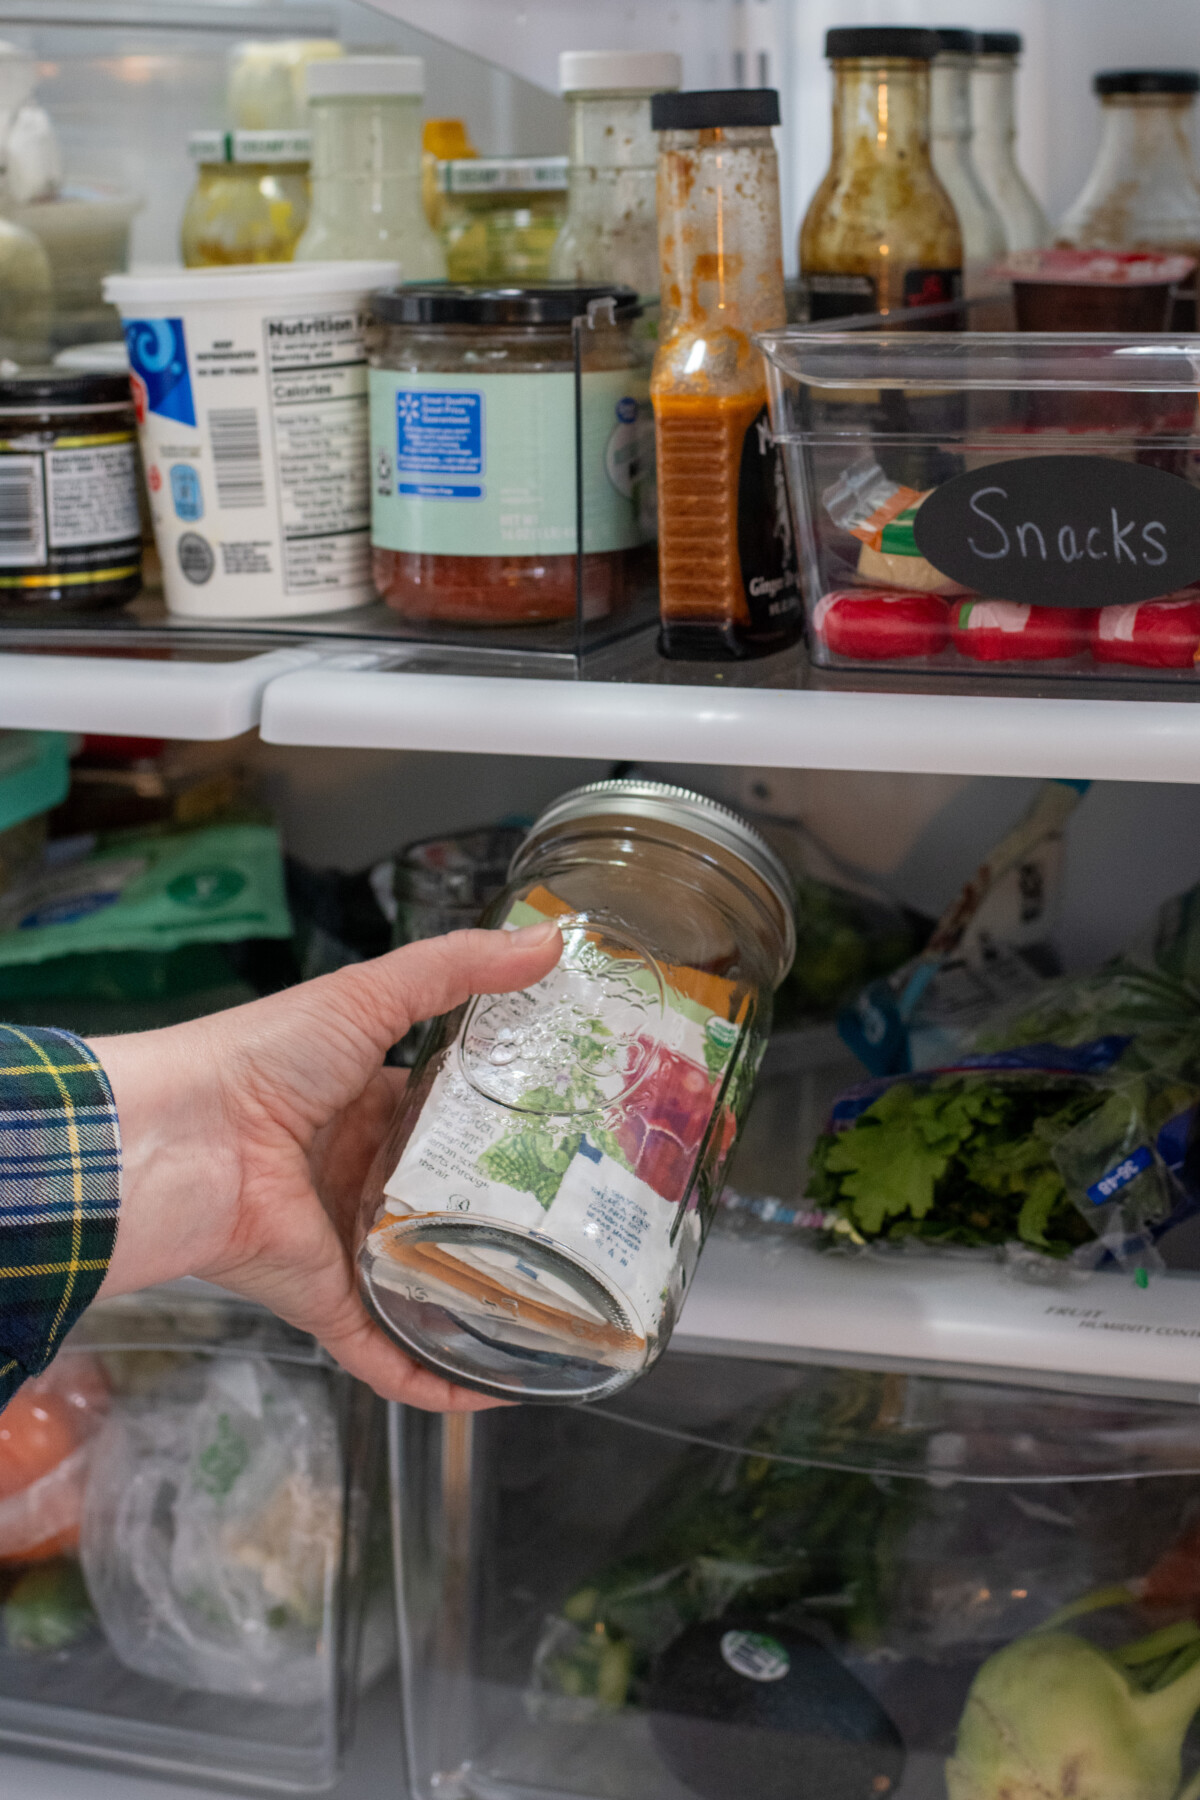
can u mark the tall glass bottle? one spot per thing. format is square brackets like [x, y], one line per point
[727, 567]
[951, 136]
[1143, 191]
[365, 114]
[993, 107]
[881, 233]
[611, 229]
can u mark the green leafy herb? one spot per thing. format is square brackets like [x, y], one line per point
[532, 1160]
[219, 1465]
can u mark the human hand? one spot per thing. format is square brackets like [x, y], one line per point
[247, 1136]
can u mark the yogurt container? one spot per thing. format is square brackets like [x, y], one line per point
[251, 392]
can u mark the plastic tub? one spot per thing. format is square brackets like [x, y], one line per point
[251, 391]
[993, 505]
[1094, 290]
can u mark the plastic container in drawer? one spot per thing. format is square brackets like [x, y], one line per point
[184, 1547]
[994, 504]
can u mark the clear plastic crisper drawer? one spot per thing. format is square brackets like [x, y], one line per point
[994, 504]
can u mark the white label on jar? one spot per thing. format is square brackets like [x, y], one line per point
[576, 1111]
[254, 434]
[484, 465]
[92, 495]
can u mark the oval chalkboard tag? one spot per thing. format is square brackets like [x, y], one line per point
[1064, 531]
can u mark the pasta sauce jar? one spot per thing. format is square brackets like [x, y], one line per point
[481, 465]
[533, 1220]
[70, 530]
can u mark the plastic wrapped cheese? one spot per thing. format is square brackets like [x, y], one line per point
[882, 625]
[1158, 634]
[1003, 631]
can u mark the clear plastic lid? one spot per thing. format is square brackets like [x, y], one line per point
[985, 360]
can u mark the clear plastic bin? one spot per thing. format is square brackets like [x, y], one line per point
[199, 1610]
[994, 505]
[748, 1578]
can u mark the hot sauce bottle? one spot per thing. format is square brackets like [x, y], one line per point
[881, 233]
[728, 585]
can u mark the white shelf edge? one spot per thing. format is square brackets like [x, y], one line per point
[132, 696]
[1106, 740]
[951, 1314]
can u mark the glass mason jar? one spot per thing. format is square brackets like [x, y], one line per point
[366, 168]
[533, 1221]
[501, 216]
[951, 145]
[727, 577]
[250, 201]
[881, 233]
[611, 228]
[993, 108]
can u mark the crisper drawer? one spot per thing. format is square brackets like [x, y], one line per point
[184, 1569]
[746, 1579]
[974, 506]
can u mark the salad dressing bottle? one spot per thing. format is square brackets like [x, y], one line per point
[881, 233]
[951, 138]
[993, 107]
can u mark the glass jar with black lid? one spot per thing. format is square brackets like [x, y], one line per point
[478, 439]
[70, 533]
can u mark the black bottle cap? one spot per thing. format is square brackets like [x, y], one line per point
[38, 389]
[956, 40]
[1001, 43]
[707, 109]
[1147, 81]
[549, 303]
[909, 41]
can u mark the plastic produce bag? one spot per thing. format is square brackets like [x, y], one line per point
[212, 1531]
[46, 1432]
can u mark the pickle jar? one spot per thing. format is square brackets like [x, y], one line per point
[534, 1218]
[251, 198]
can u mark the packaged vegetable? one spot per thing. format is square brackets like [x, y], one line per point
[878, 625]
[212, 1530]
[45, 1437]
[1002, 631]
[48, 1608]
[1158, 634]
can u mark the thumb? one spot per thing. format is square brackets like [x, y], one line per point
[437, 974]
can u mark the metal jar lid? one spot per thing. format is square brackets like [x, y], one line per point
[659, 802]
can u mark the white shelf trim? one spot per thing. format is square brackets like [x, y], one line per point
[1106, 740]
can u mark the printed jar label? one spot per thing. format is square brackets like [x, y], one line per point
[254, 435]
[576, 1111]
[71, 509]
[766, 548]
[839, 296]
[484, 465]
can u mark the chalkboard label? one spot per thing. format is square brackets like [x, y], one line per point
[1064, 531]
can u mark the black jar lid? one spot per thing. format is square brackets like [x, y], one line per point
[911, 41]
[1001, 43]
[61, 390]
[1147, 81]
[445, 303]
[956, 40]
[710, 109]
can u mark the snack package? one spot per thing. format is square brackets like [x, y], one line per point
[1002, 631]
[1159, 634]
[212, 1531]
[882, 626]
[879, 512]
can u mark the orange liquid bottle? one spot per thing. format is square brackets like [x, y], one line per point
[728, 585]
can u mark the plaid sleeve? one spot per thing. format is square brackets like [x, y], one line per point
[60, 1187]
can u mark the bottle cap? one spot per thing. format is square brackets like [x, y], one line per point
[1147, 81]
[619, 71]
[549, 303]
[707, 109]
[955, 40]
[365, 78]
[910, 41]
[1000, 43]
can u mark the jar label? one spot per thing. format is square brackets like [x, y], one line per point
[579, 1112]
[484, 465]
[70, 508]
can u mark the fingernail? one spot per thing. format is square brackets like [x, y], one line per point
[534, 937]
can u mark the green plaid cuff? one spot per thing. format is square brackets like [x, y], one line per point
[60, 1189]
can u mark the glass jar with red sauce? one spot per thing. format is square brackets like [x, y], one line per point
[477, 440]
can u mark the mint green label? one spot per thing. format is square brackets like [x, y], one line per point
[484, 465]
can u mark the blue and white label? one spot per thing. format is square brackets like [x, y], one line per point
[159, 366]
[440, 439]
[1110, 1185]
[186, 494]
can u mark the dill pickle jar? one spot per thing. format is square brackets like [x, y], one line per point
[533, 1220]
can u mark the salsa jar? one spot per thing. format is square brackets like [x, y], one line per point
[70, 528]
[474, 434]
[533, 1220]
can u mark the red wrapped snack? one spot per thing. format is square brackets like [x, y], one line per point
[881, 624]
[1002, 631]
[1158, 634]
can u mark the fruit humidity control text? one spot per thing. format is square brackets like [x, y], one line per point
[727, 567]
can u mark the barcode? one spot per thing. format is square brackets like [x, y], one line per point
[22, 512]
[237, 456]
